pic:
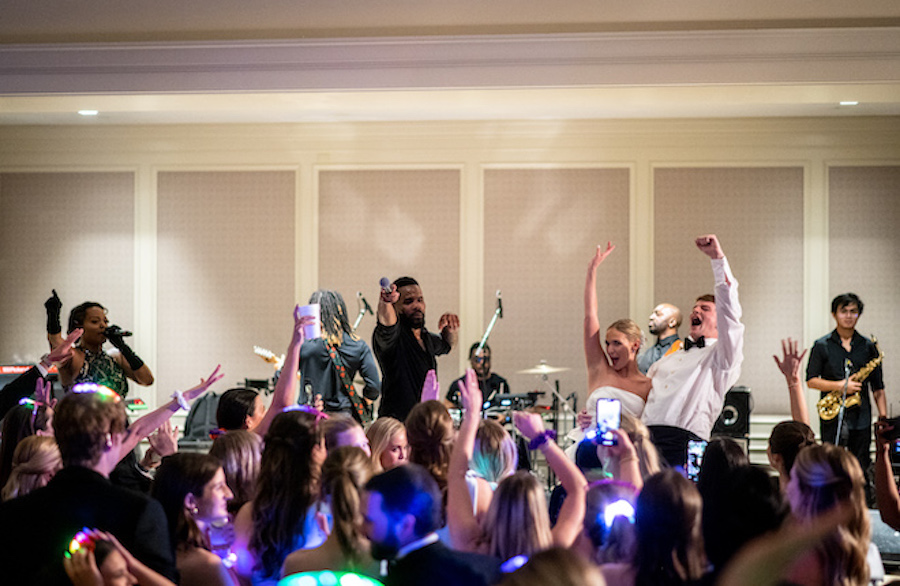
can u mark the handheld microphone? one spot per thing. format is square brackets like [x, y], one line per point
[385, 284]
[365, 303]
[117, 331]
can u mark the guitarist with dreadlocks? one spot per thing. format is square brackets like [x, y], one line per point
[328, 364]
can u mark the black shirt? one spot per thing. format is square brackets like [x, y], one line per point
[488, 387]
[404, 364]
[827, 361]
[318, 371]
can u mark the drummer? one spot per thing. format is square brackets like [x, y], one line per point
[490, 383]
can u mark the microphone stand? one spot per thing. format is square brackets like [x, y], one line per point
[363, 308]
[837, 439]
[498, 313]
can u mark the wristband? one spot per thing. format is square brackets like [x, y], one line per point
[179, 398]
[541, 439]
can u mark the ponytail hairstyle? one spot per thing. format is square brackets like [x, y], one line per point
[429, 429]
[344, 473]
[288, 486]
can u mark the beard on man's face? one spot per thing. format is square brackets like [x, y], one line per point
[387, 549]
[415, 321]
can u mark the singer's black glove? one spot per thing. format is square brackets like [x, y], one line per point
[53, 306]
[114, 335]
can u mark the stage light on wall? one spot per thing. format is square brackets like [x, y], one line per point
[849, 103]
[88, 112]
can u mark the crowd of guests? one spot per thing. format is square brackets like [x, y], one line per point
[311, 486]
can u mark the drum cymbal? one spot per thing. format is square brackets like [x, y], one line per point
[543, 368]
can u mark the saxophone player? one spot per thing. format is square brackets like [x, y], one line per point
[826, 372]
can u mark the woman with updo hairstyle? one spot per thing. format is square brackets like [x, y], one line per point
[192, 491]
[239, 452]
[667, 524]
[34, 463]
[825, 476]
[344, 473]
[429, 429]
[283, 516]
[387, 440]
[788, 438]
[608, 533]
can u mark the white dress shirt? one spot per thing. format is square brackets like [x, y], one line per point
[689, 386]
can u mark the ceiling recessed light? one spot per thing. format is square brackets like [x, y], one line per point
[849, 103]
[88, 112]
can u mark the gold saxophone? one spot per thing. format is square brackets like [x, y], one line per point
[830, 404]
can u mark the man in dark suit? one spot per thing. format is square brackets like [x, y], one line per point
[38, 527]
[402, 511]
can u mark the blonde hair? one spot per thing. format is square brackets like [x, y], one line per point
[558, 566]
[239, 451]
[631, 330]
[35, 458]
[822, 477]
[495, 456]
[381, 434]
[344, 473]
[517, 521]
[648, 457]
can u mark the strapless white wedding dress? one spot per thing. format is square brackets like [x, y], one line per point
[631, 404]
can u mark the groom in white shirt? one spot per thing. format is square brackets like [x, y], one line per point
[689, 385]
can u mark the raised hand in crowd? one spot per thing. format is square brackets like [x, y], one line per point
[152, 421]
[431, 390]
[789, 365]
[624, 459]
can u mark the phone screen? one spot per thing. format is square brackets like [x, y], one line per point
[695, 451]
[609, 416]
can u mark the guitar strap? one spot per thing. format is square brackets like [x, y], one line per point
[362, 411]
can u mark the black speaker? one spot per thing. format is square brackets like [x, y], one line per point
[734, 421]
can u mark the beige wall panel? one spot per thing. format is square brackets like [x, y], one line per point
[226, 273]
[391, 223]
[864, 239]
[72, 232]
[758, 215]
[541, 228]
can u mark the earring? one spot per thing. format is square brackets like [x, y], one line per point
[108, 441]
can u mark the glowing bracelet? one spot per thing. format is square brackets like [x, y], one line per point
[179, 398]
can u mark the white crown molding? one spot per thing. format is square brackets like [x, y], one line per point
[839, 55]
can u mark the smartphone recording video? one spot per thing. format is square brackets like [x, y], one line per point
[695, 451]
[609, 417]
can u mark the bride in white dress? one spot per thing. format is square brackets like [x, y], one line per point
[612, 372]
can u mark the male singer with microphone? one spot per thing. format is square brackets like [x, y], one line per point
[689, 385]
[404, 348]
[826, 372]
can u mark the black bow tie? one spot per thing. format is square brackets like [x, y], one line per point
[699, 343]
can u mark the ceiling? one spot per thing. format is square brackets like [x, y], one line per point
[280, 61]
[471, 104]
